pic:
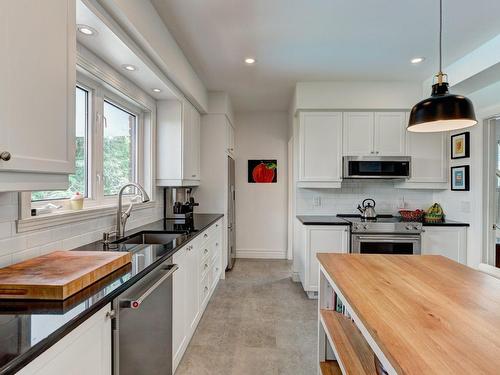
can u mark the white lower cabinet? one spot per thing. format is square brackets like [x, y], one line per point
[450, 242]
[319, 239]
[193, 284]
[86, 350]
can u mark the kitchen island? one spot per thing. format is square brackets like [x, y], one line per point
[415, 314]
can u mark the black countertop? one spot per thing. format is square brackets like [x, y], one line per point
[447, 223]
[28, 328]
[322, 220]
[335, 220]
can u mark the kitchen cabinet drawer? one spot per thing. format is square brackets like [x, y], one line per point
[204, 266]
[205, 289]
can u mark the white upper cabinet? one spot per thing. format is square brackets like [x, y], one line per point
[178, 144]
[191, 141]
[429, 160]
[37, 94]
[374, 134]
[358, 133]
[320, 149]
[389, 133]
[230, 138]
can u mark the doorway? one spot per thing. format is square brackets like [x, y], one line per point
[492, 202]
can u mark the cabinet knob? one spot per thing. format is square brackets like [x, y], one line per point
[193, 175]
[205, 235]
[5, 155]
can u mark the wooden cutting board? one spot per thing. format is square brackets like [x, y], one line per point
[58, 275]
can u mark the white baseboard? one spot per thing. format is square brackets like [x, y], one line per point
[260, 254]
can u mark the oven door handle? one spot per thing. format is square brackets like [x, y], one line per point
[388, 238]
[136, 303]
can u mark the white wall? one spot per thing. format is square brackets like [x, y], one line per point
[376, 95]
[18, 247]
[261, 209]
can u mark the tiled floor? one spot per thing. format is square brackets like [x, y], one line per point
[258, 322]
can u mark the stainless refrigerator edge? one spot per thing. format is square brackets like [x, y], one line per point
[231, 218]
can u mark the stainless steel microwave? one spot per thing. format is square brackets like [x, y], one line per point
[388, 167]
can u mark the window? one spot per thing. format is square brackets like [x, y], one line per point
[78, 180]
[120, 148]
[108, 141]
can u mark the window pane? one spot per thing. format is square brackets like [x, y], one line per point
[78, 180]
[119, 157]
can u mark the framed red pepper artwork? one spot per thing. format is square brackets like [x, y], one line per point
[262, 171]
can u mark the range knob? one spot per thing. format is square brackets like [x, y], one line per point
[408, 227]
[356, 227]
[365, 227]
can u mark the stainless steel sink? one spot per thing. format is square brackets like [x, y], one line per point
[149, 238]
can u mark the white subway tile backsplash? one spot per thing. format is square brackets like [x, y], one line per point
[352, 193]
[16, 247]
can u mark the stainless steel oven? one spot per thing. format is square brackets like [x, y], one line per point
[373, 243]
[385, 234]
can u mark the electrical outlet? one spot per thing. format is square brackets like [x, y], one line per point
[317, 202]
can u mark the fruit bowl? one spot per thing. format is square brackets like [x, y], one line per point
[412, 215]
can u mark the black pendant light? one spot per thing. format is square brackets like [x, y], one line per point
[442, 111]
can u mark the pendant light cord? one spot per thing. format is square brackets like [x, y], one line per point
[440, 36]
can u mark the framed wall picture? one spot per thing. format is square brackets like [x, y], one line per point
[460, 178]
[460, 145]
[262, 171]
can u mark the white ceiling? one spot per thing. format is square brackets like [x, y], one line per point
[301, 40]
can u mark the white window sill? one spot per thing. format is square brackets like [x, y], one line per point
[68, 216]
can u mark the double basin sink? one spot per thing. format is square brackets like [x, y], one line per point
[151, 238]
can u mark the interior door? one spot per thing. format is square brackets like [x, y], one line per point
[231, 218]
[493, 231]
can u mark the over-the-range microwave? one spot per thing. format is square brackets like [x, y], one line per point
[388, 167]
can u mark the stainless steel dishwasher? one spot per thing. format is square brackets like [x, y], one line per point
[142, 325]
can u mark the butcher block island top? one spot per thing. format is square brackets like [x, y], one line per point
[58, 275]
[418, 314]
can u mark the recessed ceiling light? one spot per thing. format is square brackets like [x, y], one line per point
[129, 67]
[417, 60]
[86, 30]
[250, 60]
[156, 90]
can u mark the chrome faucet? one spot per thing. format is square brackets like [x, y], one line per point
[122, 216]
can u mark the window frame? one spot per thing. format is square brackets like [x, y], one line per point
[145, 111]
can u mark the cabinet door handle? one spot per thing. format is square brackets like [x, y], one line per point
[5, 155]
[193, 175]
[205, 235]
